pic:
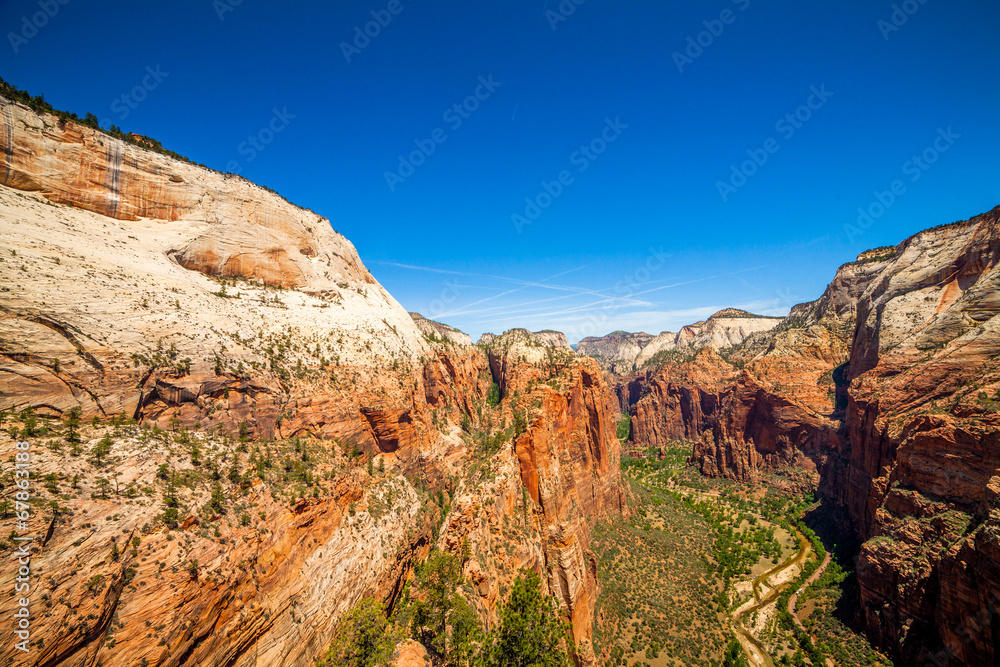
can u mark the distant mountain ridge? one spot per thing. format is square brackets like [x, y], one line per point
[546, 337]
[623, 352]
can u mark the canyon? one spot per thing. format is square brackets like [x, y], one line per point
[883, 394]
[317, 441]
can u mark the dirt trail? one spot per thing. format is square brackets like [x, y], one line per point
[792, 601]
[758, 655]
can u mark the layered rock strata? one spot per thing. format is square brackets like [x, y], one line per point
[301, 428]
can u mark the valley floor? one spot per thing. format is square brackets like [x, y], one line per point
[711, 572]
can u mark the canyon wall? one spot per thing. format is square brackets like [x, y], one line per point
[885, 391]
[615, 352]
[250, 376]
[745, 418]
[232, 227]
[725, 328]
[924, 425]
[547, 496]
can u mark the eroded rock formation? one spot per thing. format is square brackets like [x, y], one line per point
[887, 389]
[547, 496]
[269, 391]
[440, 330]
[616, 351]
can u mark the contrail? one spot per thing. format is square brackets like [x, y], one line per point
[515, 110]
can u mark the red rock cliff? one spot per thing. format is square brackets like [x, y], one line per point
[906, 434]
[536, 503]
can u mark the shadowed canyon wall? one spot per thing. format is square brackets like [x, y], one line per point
[887, 392]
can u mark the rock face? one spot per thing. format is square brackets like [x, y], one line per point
[547, 338]
[440, 330]
[139, 288]
[553, 338]
[924, 464]
[723, 329]
[887, 391]
[621, 352]
[547, 495]
[232, 227]
[615, 352]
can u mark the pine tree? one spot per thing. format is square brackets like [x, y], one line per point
[101, 450]
[364, 638]
[73, 425]
[435, 592]
[530, 632]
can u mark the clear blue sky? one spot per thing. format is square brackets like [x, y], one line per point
[443, 241]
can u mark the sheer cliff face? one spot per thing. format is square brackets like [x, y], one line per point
[557, 479]
[114, 302]
[616, 351]
[887, 389]
[924, 471]
[226, 226]
[118, 314]
[723, 329]
[778, 410]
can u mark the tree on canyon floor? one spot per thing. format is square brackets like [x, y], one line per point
[734, 656]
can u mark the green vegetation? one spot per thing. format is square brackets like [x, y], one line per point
[73, 425]
[624, 428]
[672, 458]
[493, 397]
[736, 313]
[101, 451]
[655, 601]
[669, 574]
[834, 590]
[435, 602]
[880, 254]
[675, 356]
[530, 632]
[734, 656]
[364, 638]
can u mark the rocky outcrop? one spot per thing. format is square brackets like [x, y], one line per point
[887, 390]
[724, 329]
[925, 445]
[615, 352]
[220, 225]
[559, 476]
[440, 331]
[255, 578]
[546, 338]
[552, 338]
[297, 419]
[745, 417]
[515, 347]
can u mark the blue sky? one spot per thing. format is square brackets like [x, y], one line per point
[633, 230]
